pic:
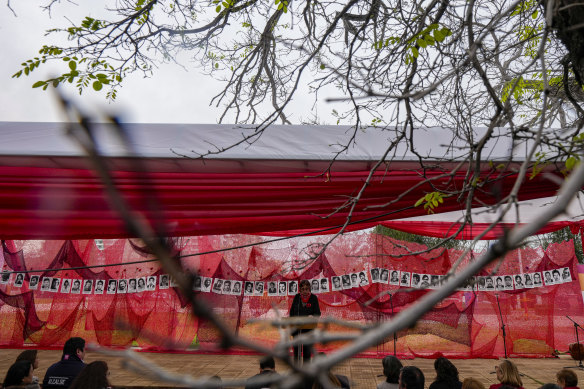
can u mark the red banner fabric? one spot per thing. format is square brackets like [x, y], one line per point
[465, 325]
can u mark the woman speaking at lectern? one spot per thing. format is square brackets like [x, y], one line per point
[304, 304]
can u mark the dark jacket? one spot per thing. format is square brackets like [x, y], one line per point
[61, 374]
[310, 309]
[252, 384]
[445, 385]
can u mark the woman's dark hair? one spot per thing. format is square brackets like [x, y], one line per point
[391, 368]
[27, 355]
[445, 370]
[17, 372]
[93, 376]
[304, 282]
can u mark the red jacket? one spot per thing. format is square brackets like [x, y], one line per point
[497, 386]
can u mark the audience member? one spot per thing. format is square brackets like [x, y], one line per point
[93, 376]
[19, 376]
[411, 377]
[391, 368]
[472, 383]
[507, 374]
[567, 379]
[446, 375]
[61, 374]
[267, 370]
[550, 386]
[32, 357]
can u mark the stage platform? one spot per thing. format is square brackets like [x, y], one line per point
[363, 372]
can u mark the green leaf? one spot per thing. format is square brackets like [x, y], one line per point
[322, 67]
[438, 36]
[571, 162]
[218, 9]
[216, 65]
[97, 85]
[415, 52]
[72, 65]
[421, 43]
[420, 201]
[38, 84]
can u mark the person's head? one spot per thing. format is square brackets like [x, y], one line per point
[29, 355]
[416, 278]
[77, 284]
[74, 346]
[548, 276]
[323, 283]
[259, 286]
[567, 378]
[141, 283]
[304, 288]
[518, 279]
[394, 275]
[391, 367]
[19, 278]
[375, 272]
[227, 286]
[537, 278]
[472, 383]
[34, 280]
[46, 282]
[550, 386]
[164, 280]
[237, 287]
[314, 284]
[411, 377]
[99, 284]
[489, 282]
[566, 273]
[207, 282]
[556, 275]
[283, 287]
[93, 376]
[197, 281]
[132, 283]
[111, 286]
[267, 363]
[508, 374]
[19, 373]
[508, 281]
[337, 282]
[354, 277]
[87, 286]
[445, 370]
[122, 285]
[425, 278]
[248, 287]
[499, 281]
[292, 287]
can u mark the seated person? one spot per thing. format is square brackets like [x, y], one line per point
[567, 379]
[411, 377]
[19, 376]
[391, 369]
[267, 370]
[446, 375]
[61, 374]
[508, 375]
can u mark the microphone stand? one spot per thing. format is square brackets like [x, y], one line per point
[580, 365]
[394, 334]
[502, 325]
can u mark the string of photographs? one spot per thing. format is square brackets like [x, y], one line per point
[78, 286]
[289, 288]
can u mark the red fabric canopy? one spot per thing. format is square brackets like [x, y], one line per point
[54, 203]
